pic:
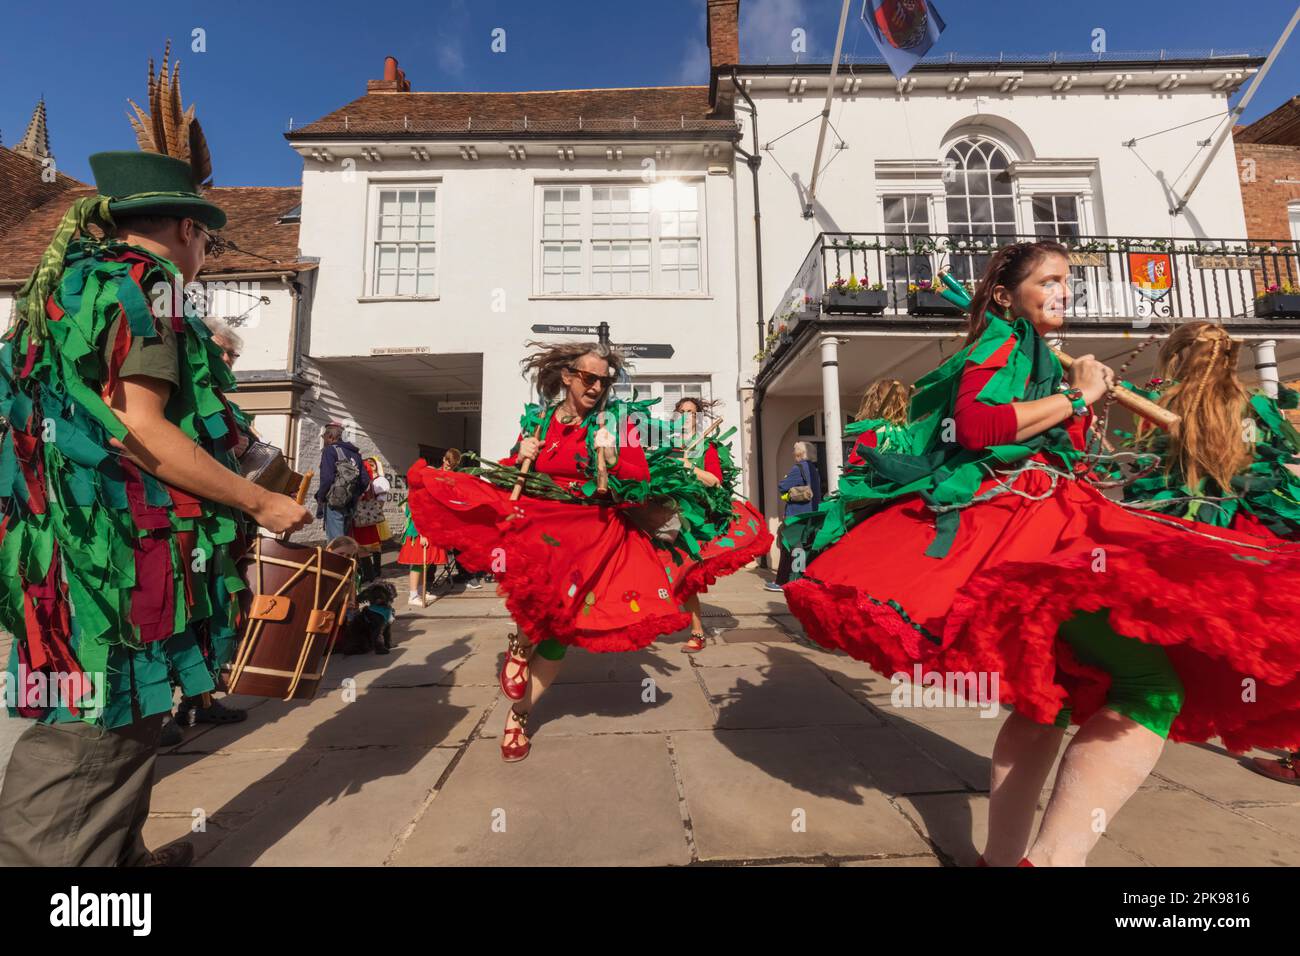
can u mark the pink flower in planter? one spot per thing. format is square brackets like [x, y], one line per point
[924, 285]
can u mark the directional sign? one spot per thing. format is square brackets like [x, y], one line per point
[566, 329]
[656, 351]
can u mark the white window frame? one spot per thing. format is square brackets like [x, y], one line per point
[588, 242]
[368, 277]
[653, 387]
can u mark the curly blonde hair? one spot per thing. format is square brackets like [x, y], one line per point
[884, 398]
[548, 363]
[1200, 359]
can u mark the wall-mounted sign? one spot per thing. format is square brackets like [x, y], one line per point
[1221, 262]
[647, 351]
[566, 329]
[403, 350]
[461, 405]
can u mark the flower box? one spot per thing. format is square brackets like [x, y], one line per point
[861, 302]
[1278, 305]
[929, 302]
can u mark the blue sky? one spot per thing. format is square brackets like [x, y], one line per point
[267, 62]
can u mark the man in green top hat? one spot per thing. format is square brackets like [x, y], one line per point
[123, 510]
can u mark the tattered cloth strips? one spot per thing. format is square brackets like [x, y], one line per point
[104, 569]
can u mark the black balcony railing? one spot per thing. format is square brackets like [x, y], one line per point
[1114, 279]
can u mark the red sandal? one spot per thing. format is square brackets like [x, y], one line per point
[514, 686]
[696, 643]
[511, 749]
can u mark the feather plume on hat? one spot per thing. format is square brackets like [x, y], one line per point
[166, 128]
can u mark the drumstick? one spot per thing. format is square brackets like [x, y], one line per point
[1143, 407]
[523, 468]
[602, 467]
[300, 497]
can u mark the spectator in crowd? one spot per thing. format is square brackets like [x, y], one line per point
[801, 492]
[343, 479]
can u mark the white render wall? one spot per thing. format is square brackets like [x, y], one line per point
[487, 238]
[1128, 199]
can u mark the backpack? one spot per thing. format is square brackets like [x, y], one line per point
[347, 479]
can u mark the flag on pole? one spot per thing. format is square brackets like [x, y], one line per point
[904, 30]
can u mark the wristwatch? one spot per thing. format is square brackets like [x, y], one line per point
[1075, 395]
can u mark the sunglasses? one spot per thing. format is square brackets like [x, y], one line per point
[215, 246]
[588, 379]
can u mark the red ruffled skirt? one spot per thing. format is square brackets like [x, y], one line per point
[745, 539]
[415, 556]
[577, 573]
[1223, 604]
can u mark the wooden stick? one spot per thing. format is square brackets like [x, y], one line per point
[424, 571]
[602, 467]
[526, 464]
[1143, 407]
[717, 423]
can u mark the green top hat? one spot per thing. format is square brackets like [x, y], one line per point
[151, 184]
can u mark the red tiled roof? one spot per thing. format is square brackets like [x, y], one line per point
[1279, 128]
[645, 110]
[252, 213]
[23, 189]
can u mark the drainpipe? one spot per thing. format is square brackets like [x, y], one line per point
[753, 161]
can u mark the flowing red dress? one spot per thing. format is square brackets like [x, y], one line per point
[1222, 603]
[577, 572]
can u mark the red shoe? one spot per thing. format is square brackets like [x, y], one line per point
[983, 862]
[511, 748]
[1281, 769]
[514, 685]
[696, 643]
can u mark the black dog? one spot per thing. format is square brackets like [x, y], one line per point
[370, 626]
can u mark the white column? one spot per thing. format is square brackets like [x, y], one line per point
[1266, 365]
[831, 407]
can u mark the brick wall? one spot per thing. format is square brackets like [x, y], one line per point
[1276, 182]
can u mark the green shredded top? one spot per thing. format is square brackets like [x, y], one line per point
[87, 513]
[923, 457]
[1268, 490]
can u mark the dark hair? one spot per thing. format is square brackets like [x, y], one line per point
[1009, 267]
[702, 406]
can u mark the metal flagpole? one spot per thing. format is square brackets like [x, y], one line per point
[1236, 112]
[826, 113]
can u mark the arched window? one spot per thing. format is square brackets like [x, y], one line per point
[980, 204]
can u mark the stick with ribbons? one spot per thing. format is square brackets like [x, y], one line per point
[956, 293]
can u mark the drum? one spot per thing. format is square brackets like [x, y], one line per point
[293, 609]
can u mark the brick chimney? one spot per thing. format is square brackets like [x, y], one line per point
[394, 80]
[724, 33]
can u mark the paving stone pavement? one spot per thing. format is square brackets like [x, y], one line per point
[760, 750]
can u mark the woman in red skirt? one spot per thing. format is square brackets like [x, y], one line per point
[727, 533]
[976, 548]
[1230, 462]
[573, 567]
[417, 553]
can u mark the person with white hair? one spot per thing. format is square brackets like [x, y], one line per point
[801, 492]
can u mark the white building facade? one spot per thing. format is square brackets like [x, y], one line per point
[447, 227]
[916, 173]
